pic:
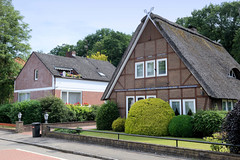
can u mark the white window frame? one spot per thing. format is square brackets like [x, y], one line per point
[72, 92]
[136, 64]
[151, 96]
[139, 97]
[127, 103]
[160, 60]
[154, 68]
[25, 96]
[226, 102]
[180, 102]
[194, 102]
[36, 74]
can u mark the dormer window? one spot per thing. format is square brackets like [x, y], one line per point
[234, 73]
[68, 72]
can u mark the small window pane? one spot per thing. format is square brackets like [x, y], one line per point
[150, 69]
[162, 67]
[74, 97]
[176, 107]
[23, 97]
[140, 70]
[229, 105]
[224, 105]
[64, 97]
[189, 107]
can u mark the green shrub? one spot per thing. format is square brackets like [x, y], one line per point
[205, 123]
[217, 138]
[149, 117]
[181, 126]
[69, 131]
[4, 113]
[118, 125]
[231, 127]
[107, 113]
[56, 109]
[31, 111]
[95, 109]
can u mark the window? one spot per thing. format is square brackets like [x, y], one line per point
[189, 106]
[139, 98]
[150, 68]
[23, 96]
[151, 96]
[139, 70]
[232, 74]
[162, 67]
[176, 106]
[101, 74]
[129, 102]
[35, 74]
[72, 97]
[227, 105]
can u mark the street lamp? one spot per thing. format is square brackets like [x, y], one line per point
[19, 116]
[46, 117]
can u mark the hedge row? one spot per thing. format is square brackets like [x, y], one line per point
[33, 111]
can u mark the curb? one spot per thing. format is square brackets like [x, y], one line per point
[61, 150]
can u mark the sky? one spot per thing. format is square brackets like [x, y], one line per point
[57, 22]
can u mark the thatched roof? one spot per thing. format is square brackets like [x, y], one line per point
[88, 68]
[207, 60]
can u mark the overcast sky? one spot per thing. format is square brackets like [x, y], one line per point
[57, 22]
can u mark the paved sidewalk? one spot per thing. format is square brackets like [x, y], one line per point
[89, 150]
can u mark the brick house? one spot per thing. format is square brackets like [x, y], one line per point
[176, 64]
[72, 78]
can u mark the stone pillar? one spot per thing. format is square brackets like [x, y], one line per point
[45, 129]
[19, 126]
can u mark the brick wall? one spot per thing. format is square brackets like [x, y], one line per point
[144, 147]
[92, 97]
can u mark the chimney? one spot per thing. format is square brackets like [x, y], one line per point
[71, 54]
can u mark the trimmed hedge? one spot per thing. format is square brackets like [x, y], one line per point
[149, 117]
[181, 126]
[4, 113]
[31, 111]
[107, 113]
[118, 125]
[205, 123]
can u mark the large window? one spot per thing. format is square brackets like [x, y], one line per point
[189, 106]
[72, 97]
[227, 105]
[150, 68]
[23, 96]
[162, 67]
[176, 106]
[129, 102]
[139, 70]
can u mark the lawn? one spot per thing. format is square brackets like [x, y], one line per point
[191, 145]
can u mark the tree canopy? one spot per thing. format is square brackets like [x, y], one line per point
[220, 23]
[14, 34]
[105, 41]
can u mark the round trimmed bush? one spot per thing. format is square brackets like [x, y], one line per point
[118, 125]
[181, 126]
[149, 117]
[205, 123]
[107, 113]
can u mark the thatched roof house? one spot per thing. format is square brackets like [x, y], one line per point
[193, 63]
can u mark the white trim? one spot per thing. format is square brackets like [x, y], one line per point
[128, 56]
[127, 103]
[139, 97]
[136, 64]
[154, 67]
[180, 102]
[194, 108]
[151, 96]
[160, 60]
[36, 74]
[34, 89]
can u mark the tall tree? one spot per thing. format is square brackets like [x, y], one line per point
[220, 23]
[14, 34]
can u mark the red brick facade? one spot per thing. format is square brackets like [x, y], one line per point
[92, 97]
[152, 46]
